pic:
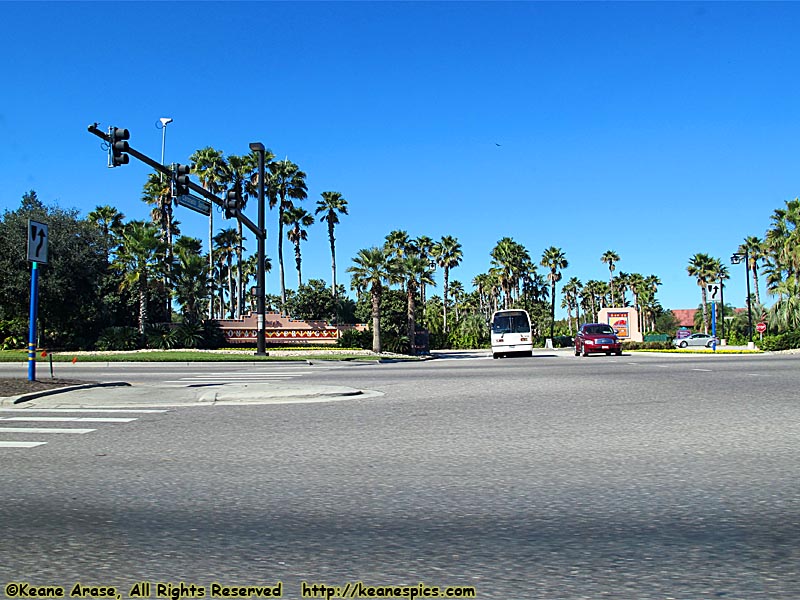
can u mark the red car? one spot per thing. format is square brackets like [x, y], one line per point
[597, 338]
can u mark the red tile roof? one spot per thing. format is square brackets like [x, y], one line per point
[685, 317]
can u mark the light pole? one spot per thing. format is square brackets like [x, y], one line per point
[736, 258]
[164, 122]
[258, 147]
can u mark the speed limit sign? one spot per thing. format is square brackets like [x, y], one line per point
[761, 327]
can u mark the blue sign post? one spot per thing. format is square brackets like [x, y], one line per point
[714, 326]
[37, 253]
[32, 326]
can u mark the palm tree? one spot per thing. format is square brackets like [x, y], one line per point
[140, 259]
[286, 183]
[332, 205]
[297, 218]
[424, 246]
[226, 242]
[413, 270]
[190, 278]
[610, 258]
[238, 173]
[635, 283]
[571, 290]
[755, 252]
[370, 270]
[208, 164]
[554, 259]
[110, 222]
[702, 267]
[158, 194]
[448, 255]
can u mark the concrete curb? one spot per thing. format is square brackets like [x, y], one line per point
[34, 395]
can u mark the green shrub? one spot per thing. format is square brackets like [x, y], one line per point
[783, 341]
[563, 341]
[353, 338]
[213, 337]
[13, 334]
[647, 345]
[189, 335]
[118, 338]
[161, 337]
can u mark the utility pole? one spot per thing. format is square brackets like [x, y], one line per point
[260, 275]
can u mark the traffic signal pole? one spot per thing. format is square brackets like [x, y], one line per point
[120, 157]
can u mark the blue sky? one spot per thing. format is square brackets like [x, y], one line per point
[657, 130]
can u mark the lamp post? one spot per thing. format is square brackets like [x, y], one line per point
[258, 147]
[164, 122]
[736, 258]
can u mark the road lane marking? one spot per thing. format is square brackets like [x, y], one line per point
[83, 410]
[21, 444]
[43, 430]
[71, 419]
[703, 370]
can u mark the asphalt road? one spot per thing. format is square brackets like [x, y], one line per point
[638, 477]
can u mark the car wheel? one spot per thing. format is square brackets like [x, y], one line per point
[683, 344]
[710, 344]
[584, 352]
[618, 353]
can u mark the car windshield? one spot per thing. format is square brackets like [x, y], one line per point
[514, 322]
[598, 330]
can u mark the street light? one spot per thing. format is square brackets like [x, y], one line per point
[164, 122]
[736, 258]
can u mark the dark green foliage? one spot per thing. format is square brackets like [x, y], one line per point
[13, 334]
[563, 341]
[313, 301]
[393, 318]
[189, 335]
[212, 335]
[71, 310]
[352, 338]
[783, 341]
[161, 337]
[118, 338]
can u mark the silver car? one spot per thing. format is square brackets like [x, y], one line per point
[696, 339]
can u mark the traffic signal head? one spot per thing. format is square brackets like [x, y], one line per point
[119, 146]
[232, 203]
[181, 175]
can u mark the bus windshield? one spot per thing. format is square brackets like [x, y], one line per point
[511, 322]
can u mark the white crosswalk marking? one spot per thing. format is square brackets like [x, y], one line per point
[18, 436]
[43, 430]
[21, 444]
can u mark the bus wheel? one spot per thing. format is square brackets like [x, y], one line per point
[494, 355]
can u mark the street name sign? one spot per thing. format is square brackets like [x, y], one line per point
[37, 242]
[196, 204]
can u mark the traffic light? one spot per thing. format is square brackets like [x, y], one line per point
[232, 203]
[119, 146]
[181, 177]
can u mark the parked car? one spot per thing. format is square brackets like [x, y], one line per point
[595, 338]
[696, 339]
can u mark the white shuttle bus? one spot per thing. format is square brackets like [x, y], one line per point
[511, 333]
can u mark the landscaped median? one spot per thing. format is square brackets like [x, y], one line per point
[221, 355]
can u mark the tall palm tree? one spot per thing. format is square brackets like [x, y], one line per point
[447, 254]
[635, 283]
[554, 259]
[140, 259]
[208, 164]
[110, 222]
[755, 252]
[414, 270]
[371, 271]
[701, 267]
[571, 290]
[158, 194]
[610, 258]
[226, 242]
[332, 205]
[297, 219]
[238, 173]
[286, 183]
[424, 246]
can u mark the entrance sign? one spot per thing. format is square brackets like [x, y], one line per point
[37, 242]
